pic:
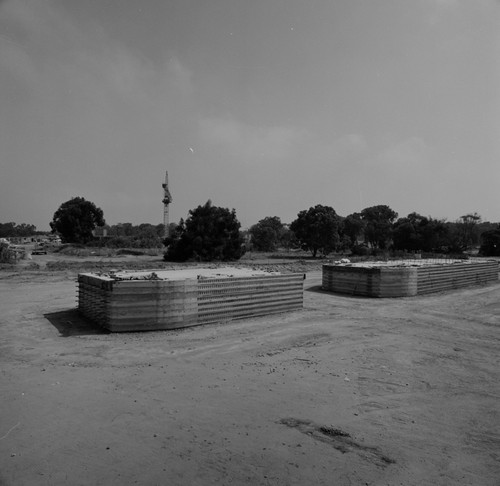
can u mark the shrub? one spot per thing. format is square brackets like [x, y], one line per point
[6, 256]
[360, 250]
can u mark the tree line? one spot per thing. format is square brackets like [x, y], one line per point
[377, 228]
[214, 233]
[14, 230]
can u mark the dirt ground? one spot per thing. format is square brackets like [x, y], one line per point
[348, 391]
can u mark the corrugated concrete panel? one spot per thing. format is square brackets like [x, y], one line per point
[236, 298]
[440, 277]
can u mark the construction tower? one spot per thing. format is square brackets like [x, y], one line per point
[167, 199]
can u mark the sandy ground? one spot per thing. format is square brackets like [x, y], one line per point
[348, 391]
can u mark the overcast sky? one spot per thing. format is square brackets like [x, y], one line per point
[266, 106]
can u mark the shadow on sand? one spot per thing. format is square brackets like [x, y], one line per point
[318, 289]
[71, 323]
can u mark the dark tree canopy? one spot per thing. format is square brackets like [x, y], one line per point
[267, 233]
[209, 233]
[76, 219]
[12, 229]
[490, 245]
[127, 235]
[353, 227]
[418, 233]
[317, 229]
[468, 233]
[378, 221]
[143, 230]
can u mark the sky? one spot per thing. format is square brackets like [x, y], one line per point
[265, 106]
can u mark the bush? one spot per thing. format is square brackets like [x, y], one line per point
[125, 251]
[137, 241]
[380, 253]
[360, 250]
[490, 243]
[6, 256]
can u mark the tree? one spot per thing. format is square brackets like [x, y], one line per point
[406, 234]
[288, 240]
[467, 230]
[127, 235]
[266, 234]
[209, 233]
[435, 234]
[490, 245]
[418, 233]
[7, 229]
[353, 227]
[317, 229]
[378, 221]
[76, 219]
[172, 242]
[16, 230]
[121, 229]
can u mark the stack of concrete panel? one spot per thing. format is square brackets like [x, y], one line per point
[140, 301]
[92, 296]
[400, 279]
[370, 281]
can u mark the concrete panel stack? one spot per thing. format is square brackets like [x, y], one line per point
[397, 279]
[370, 281]
[169, 301]
[92, 297]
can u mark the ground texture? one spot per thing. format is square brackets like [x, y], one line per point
[348, 391]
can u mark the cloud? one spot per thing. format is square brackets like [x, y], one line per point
[48, 47]
[412, 153]
[251, 143]
[343, 148]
